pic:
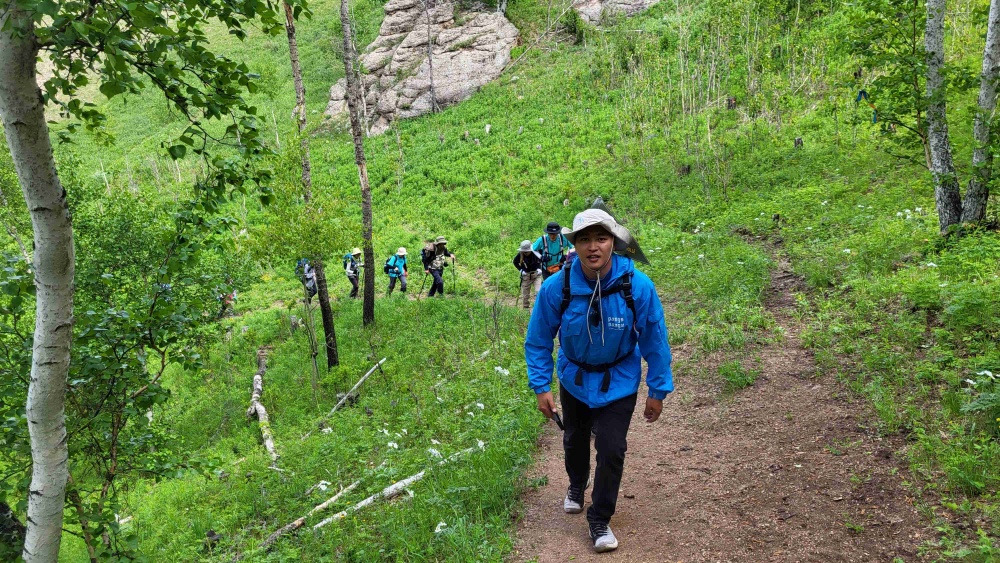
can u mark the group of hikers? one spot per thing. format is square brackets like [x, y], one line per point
[607, 317]
[537, 261]
[434, 257]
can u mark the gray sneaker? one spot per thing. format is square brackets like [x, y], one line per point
[573, 503]
[604, 538]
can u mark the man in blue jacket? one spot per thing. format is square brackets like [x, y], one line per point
[608, 316]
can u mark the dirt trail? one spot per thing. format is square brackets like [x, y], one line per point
[785, 470]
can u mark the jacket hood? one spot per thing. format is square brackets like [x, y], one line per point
[580, 285]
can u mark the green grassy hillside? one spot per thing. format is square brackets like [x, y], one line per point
[905, 318]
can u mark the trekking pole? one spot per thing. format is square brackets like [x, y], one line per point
[422, 286]
[453, 288]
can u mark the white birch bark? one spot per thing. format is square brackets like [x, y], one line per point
[974, 204]
[946, 192]
[22, 112]
[257, 409]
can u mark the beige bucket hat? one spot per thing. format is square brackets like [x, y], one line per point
[440, 240]
[401, 251]
[525, 246]
[625, 243]
[356, 251]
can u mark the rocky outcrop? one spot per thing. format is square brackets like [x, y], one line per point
[593, 11]
[466, 53]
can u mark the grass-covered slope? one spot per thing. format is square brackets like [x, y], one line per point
[906, 318]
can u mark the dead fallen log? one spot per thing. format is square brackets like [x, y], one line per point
[392, 491]
[348, 395]
[301, 521]
[257, 409]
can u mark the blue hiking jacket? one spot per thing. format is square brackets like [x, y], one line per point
[399, 262]
[619, 337]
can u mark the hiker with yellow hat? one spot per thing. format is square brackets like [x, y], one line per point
[608, 318]
[395, 266]
[352, 268]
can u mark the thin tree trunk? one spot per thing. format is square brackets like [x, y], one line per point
[81, 514]
[22, 112]
[946, 191]
[300, 102]
[329, 332]
[313, 345]
[974, 205]
[430, 57]
[354, 95]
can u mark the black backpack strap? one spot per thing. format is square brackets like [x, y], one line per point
[629, 300]
[566, 295]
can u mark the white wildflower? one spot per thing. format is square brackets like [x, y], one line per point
[677, 257]
[405, 432]
[481, 444]
[931, 265]
[481, 406]
[393, 445]
[809, 228]
[899, 214]
[701, 257]
[440, 527]
[824, 202]
[847, 251]
[970, 382]
[322, 485]
[435, 442]
[501, 370]
[434, 452]
[440, 400]
[919, 209]
[327, 430]
[943, 284]
[987, 373]
[471, 414]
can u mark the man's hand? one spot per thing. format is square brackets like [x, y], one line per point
[546, 404]
[652, 412]
[427, 271]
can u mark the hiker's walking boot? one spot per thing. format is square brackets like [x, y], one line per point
[604, 538]
[573, 503]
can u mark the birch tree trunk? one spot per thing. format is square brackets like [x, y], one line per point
[946, 191]
[22, 112]
[300, 102]
[354, 97]
[329, 332]
[976, 196]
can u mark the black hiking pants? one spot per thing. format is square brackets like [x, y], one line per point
[610, 426]
[354, 285]
[438, 283]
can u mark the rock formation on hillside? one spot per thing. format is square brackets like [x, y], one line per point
[468, 50]
[592, 11]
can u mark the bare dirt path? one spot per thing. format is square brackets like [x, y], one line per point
[785, 470]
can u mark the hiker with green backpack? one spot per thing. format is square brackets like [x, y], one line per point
[553, 247]
[395, 266]
[608, 318]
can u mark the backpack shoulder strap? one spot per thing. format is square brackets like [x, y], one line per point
[629, 300]
[566, 295]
